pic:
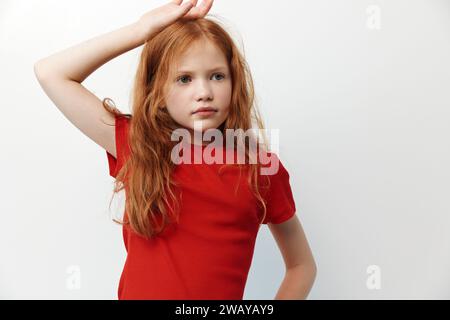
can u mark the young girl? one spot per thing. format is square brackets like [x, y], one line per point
[189, 228]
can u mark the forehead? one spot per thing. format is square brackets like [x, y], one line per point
[202, 56]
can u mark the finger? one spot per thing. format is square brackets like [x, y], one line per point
[192, 10]
[196, 12]
[187, 6]
[177, 2]
[205, 7]
[199, 11]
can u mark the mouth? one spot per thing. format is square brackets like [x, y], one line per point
[205, 111]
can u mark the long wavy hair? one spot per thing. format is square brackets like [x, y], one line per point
[151, 203]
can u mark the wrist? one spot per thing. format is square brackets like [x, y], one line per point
[143, 31]
[140, 34]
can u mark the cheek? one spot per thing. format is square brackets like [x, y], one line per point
[225, 94]
[176, 102]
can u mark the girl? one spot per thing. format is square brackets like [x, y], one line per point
[189, 229]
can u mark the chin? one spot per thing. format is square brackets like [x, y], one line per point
[208, 124]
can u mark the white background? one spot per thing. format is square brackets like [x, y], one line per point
[364, 126]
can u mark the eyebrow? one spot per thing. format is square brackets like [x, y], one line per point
[210, 70]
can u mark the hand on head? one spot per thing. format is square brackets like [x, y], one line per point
[161, 17]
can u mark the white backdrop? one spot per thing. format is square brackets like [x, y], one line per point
[359, 90]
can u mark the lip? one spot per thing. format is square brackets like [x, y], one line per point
[205, 110]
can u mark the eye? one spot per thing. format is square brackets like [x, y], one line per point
[184, 77]
[221, 75]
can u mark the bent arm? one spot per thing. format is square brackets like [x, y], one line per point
[76, 63]
[301, 268]
[61, 74]
[297, 283]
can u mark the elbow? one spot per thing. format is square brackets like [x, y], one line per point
[41, 71]
[307, 264]
[313, 268]
[38, 70]
[44, 72]
[314, 271]
[309, 268]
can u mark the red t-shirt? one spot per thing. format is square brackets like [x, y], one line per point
[208, 254]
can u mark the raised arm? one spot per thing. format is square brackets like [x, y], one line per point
[61, 74]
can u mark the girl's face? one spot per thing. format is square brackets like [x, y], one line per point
[202, 79]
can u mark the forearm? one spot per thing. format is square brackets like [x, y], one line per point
[297, 283]
[79, 61]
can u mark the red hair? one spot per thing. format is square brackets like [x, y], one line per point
[148, 169]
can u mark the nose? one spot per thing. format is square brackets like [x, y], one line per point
[204, 91]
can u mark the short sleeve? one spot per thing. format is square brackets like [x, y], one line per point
[280, 204]
[122, 146]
